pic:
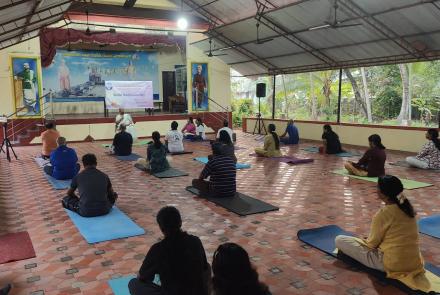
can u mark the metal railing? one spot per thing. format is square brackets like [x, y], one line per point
[214, 112]
[15, 129]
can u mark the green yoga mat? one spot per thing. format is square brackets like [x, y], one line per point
[137, 143]
[407, 183]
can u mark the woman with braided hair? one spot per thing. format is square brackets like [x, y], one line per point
[271, 146]
[393, 243]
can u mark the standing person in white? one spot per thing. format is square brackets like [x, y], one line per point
[227, 129]
[174, 139]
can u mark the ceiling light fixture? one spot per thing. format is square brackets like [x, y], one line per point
[182, 23]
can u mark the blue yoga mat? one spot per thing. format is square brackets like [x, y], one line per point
[323, 238]
[120, 285]
[311, 149]
[430, 226]
[58, 184]
[132, 157]
[204, 160]
[115, 225]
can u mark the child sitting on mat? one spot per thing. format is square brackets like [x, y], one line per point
[429, 156]
[393, 242]
[332, 145]
[156, 160]
[174, 138]
[233, 272]
[271, 146]
[96, 195]
[200, 130]
[122, 142]
[189, 130]
[292, 131]
[179, 259]
[372, 163]
[222, 173]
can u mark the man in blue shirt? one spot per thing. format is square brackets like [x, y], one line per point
[63, 160]
[293, 134]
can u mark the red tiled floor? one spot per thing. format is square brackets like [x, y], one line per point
[308, 196]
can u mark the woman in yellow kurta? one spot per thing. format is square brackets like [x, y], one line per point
[271, 146]
[393, 243]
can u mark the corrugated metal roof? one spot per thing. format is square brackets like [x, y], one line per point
[21, 20]
[390, 31]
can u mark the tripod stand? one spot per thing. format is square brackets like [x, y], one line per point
[259, 122]
[7, 144]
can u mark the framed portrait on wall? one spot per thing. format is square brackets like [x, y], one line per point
[200, 86]
[26, 82]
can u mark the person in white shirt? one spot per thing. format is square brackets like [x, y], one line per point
[227, 129]
[127, 121]
[173, 139]
[200, 130]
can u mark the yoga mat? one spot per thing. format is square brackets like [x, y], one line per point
[407, 183]
[293, 160]
[181, 153]
[406, 165]
[430, 226]
[171, 172]
[120, 285]
[58, 184]
[132, 157]
[41, 162]
[114, 225]
[311, 149]
[240, 204]
[348, 154]
[204, 160]
[16, 246]
[323, 238]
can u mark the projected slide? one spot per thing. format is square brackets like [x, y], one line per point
[129, 94]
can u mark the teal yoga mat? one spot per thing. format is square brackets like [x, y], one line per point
[114, 225]
[204, 160]
[407, 183]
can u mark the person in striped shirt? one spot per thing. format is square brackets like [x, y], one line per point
[221, 172]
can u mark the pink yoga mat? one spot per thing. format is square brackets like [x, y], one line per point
[16, 246]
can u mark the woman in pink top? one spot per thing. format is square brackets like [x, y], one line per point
[189, 131]
[49, 140]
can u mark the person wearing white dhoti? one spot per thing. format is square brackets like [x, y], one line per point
[125, 119]
[28, 80]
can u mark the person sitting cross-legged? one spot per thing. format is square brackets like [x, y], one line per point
[63, 160]
[227, 147]
[49, 140]
[222, 174]
[271, 146]
[179, 260]
[156, 160]
[174, 138]
[234, 273]
[393, 245]
[292, 132]
[96, 195]
[227, 129]
[122, 142]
